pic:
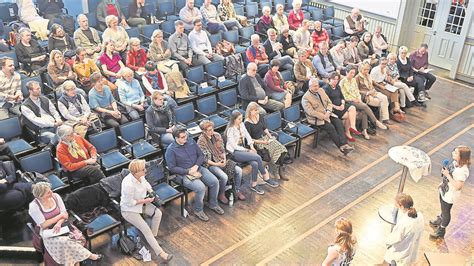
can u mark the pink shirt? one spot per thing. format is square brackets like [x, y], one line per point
[111, 63]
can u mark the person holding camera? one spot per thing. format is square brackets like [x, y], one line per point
[454, 175]
[134, 201]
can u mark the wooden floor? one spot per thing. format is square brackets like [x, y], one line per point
[293, 224]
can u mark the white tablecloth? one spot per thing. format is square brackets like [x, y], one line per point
[417, 161]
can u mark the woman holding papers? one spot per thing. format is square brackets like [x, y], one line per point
[50, 215]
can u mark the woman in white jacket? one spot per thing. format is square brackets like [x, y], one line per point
[404, 240]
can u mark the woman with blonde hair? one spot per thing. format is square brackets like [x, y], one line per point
[117, 34]
[160, 53]
[263, 139]
[48, 212]
[58, 69]
[137, 196]
[343, 250]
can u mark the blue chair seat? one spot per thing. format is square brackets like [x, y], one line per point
[56, 182]
[19, 146]
[218, 121]
[101, 224]
[141, 149]
[113, 159]
[166, 192]
[285, 138]
[301, 130]
[223, 84]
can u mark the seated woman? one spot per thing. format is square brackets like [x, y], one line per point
[153, 80]
[366, 50]
[30, 54]
[75, 109]
[131, 94]
[266, 22]
[338, 56]
[280, 20]
[84, 67]
[226, 12]
[136, 57]
[296, 15]
[78, 156]
[351, 54]
[393, 77]
[160, 119]
[137, 13]
[408, 76]
[263, 139]
[287, 42]
[58, 70]
[351, 93]
[117, 34]
[103, 103]
[319, 35]
[213, 21]
[111, 62]
[160, 53]
[48, 212]
[14, 195]
[60, 40]
[212, 145]
[237, 134]
[344, 110]
[379, 77]
[277, 89]
[135, 205]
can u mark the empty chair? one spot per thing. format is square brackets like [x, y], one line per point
[186, 117]
[245, 35]
[197, 81]
[107, 147]
[43, 162]
[133, 32]
[10, 130]
[292, 115]
[207, 107]
[239, 10]
[273, 122]
[168, 28]
[133, 134]
[329, 17]
[216, 70]
[317, 14]
[229, 101]
[232, 36]
[252, 11]
[166, 11]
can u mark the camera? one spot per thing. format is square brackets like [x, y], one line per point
[157, 202]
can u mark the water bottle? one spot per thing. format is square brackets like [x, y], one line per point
[231, 200]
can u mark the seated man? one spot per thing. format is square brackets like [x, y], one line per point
[185, 159]
[274, 50]
[188, 14]
[160, 119]
[303, 40]
[379, 42]
[419, 63]
[354, 24]
[103, 103]
[256, 54]
[252, 89]
[201, 45]
[10, 88]
[78, 156]
[318, 109]
[180, 47]
[40, 115]
[87, 37]
[131, 94]
[323, 61]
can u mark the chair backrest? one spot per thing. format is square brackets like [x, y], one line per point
[104, 141]
[228, 97]
[279, 2]
[168, 27]
[12, 55]
[24, 89]
[196, 74]
[287, 75]
[10, 128]
[179, 5]
[166, 8]
[265, 3]
[87, 198]
[216, 68]
[317, 14]
[150, 7]
[252, 9]
[292, 113]
[329, 12]
[155, 173]
[338, 32]
[215, 38]
[231, 36]
[239, 10]
[273, 121]
[184, 113]
[133, 131]
[40, 162]
[133, 32]
[149, 29]
[247, 32]
[198, 3]
[207, 105]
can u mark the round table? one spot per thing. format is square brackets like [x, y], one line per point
[413, 161]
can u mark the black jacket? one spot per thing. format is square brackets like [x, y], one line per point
[132, 11]
[50, 6]
[159, 121]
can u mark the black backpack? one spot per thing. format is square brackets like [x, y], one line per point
[126, 244]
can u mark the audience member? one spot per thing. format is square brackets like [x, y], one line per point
[84, 67]
[338, 56]
[29, 15]
[274, 50]
[280, 20]
[366, 50]
[181, 47]
[188, 14]
[87, 37]
[296, 15]
[40, 115]
[277, 88]
[14, 195]
[160, 53]
[137, 14]
[60, 40]
[226, 12]
[131, 94]
[303, 71]
[111, 62]
[256, 54]
[354, 24]
[379, 76]
[454, 176]
[287, 42]
[155, 80]
[50, 9]
[319, 35]
[343, 250]
[303, 40]
[419, 63]
[78, 156]
[10, 87]
[252, 88]
[136, 205]
[236, 135]
[212, 21]
[107, 8]
[379, 42]
[185, 159]
[351, 53]
[30, 53]
[323, 61]
[263, 140]
[118, 34]
[102, 102]
[265, 22]
[319, 112]
[136, 56]
[160, 119]
[48, 212]
[58, 69]
[408, 76]
[393, 78]
[201, 45]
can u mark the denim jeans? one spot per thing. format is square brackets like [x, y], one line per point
[199, 187]
[253, 159]
[223, 178]
[166, 139]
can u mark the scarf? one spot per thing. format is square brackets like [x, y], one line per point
[369, 45]
[266, 20]
[213, 145]
[75, 100]
[155, 80]
[75, 150]
[318, 32]
[164, 109]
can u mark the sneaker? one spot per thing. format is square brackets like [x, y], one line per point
[201, 215]
[240, 195]
[346, 149]
[217, 209]
[422, 97]
[257, 189]
[223, 199]
[271, 182]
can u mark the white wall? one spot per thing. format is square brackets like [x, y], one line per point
[387, 8]
[470, 33]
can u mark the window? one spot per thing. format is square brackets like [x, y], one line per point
[426, 14]
[457, 12]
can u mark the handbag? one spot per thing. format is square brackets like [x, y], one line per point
[126, 244]
[265, 154]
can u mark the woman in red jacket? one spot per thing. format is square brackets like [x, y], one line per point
[78, 156]
[136, 56]
[296, 16]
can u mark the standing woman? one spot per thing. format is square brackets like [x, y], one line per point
[262, 139]
[117, 34]
[343, 250]
[454, 176]
[48, 212]
[237, 134]
[134, 202]
[404, 240]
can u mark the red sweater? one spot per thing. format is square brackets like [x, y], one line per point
[317, 39]
[135, 60]
[70, 163]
